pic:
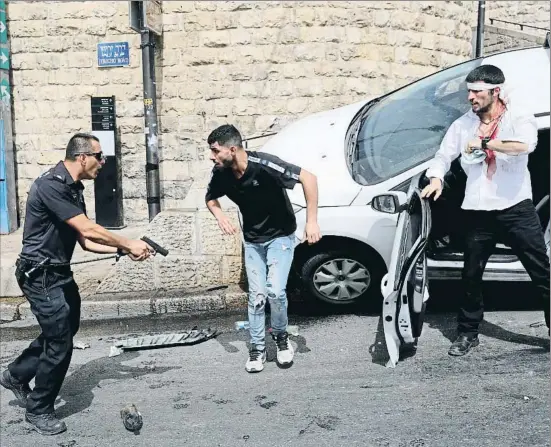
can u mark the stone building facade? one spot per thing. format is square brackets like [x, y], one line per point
[258, 65]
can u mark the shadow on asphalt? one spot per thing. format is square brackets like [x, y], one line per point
[441, 314]
[78, 386]
[77, 389]
[490, 330]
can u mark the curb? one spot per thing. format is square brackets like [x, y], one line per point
[96, 308]
[9, 312]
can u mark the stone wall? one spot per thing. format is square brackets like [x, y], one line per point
[258, 65]
[535, 13]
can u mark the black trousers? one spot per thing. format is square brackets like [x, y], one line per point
[55, 301]
[518, 227]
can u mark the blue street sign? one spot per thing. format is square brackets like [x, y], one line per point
[113, 54]
[4, 59]
[5, 91]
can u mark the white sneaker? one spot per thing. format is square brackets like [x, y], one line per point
[285, 351]
[256, 360]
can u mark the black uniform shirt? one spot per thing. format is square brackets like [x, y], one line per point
[260, 195]
[53, 198]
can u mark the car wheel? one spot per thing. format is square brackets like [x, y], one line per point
[342, 277]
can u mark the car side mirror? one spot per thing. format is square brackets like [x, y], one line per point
[391, 202]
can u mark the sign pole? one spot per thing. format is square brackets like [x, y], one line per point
[151, 127]
[146, 18]
[480, 29]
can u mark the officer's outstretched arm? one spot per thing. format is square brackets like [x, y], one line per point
[96, 233]
[94, 247]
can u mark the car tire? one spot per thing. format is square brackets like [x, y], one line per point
[314, 274]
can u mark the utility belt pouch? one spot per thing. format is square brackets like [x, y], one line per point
[31, 269]
[20, 268]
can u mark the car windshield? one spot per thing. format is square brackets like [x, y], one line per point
[406, 127]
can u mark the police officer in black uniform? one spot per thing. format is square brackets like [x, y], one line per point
[55, 220]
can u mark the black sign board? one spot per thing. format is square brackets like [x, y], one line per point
[107, 186]
[103, 119]
[103, 125]
[103, 113]
[103, 110]
[103, 100]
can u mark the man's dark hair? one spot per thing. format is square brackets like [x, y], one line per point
[226, 135]
[486, 73]
[80, 143]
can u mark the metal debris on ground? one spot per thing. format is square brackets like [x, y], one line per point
[114, 351]
[80, 345]
[131, 418]
[163, 340]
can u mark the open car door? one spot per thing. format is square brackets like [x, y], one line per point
[405, 286]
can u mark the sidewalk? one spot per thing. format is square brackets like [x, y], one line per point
[109, 303]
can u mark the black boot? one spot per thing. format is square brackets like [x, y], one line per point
[45, 424]
[20, 390]
[463, 344]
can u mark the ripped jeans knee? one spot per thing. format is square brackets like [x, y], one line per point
[257, 301]
[278, 300]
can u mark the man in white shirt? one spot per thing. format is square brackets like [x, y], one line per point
[494, 141]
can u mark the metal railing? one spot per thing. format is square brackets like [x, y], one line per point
[246, 140]
[522, 25]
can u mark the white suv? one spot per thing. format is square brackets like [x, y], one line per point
[381, 147]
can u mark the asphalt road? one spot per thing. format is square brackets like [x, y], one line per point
[337, 393]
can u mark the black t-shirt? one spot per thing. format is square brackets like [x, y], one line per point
[53, 198]
[260, 195]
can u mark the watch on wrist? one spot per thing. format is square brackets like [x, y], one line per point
[484, 143]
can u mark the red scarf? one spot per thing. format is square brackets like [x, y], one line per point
[491, 155]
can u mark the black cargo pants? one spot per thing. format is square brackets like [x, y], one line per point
[518, 227]
[55, 301]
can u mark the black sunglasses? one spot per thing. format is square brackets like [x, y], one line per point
[97, 155]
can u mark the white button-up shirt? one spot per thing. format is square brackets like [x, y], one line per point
[511, 182]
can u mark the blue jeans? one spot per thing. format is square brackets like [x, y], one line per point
[268, 265]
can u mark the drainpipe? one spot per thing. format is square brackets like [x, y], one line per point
[480, 28]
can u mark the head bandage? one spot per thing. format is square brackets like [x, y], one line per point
[478, 86]
[482, 86]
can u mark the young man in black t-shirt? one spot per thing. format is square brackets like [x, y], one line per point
[256, 182]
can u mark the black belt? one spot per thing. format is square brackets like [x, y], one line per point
[45, 264]
[29, 267]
